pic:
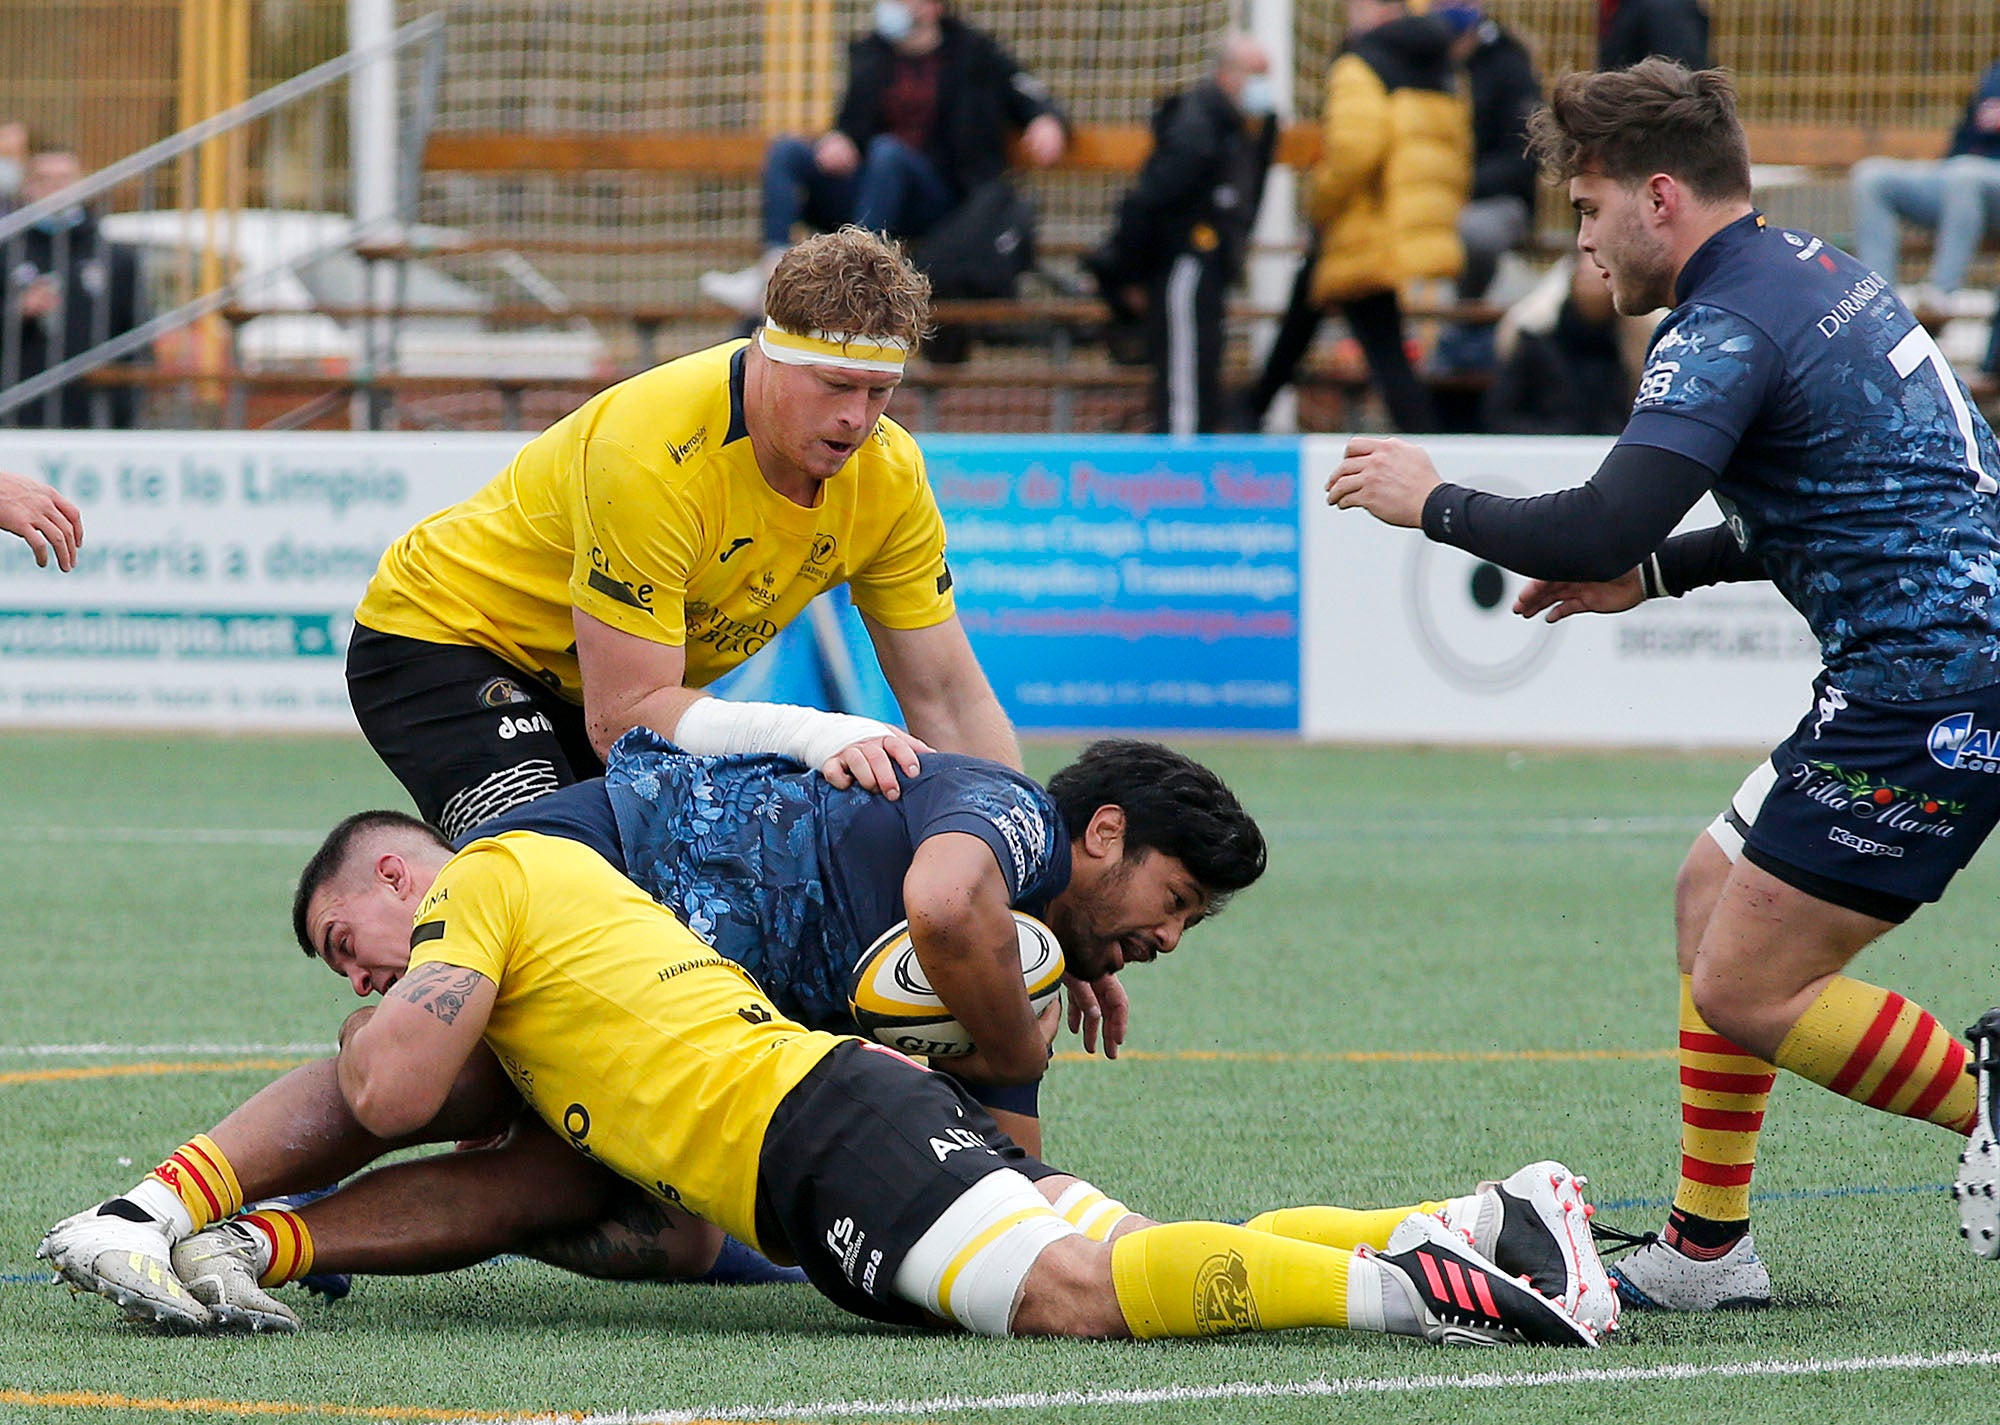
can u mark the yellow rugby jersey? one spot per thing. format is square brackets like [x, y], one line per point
[645, 508]
[631, 1038]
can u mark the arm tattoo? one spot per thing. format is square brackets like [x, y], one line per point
[441, 989]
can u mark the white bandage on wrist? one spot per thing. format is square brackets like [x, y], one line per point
[719, 727]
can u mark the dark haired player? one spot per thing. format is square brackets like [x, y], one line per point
[1854, 473]
[788, 876]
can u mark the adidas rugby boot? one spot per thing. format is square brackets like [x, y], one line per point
[1460, 1298]
[1536, 1225]
[117, 1251]
[220, 1267]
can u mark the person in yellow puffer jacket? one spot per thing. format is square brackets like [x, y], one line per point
[1395, 168]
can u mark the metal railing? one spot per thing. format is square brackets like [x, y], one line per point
[71, 304]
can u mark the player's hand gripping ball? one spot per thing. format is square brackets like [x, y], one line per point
[895, 1005]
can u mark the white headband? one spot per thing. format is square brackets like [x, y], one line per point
[881, 354]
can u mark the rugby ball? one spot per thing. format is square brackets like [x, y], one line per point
[895, 1005]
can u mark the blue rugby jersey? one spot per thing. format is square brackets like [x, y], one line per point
[1847, 455]
[783, 873]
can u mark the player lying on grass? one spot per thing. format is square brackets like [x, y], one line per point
[891, 1187]
[791, 877]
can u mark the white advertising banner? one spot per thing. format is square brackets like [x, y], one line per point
[219, 571]
[1410, 641]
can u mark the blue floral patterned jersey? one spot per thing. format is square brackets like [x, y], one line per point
[780, 871]
[1847, 456]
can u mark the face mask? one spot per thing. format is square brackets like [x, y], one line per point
[10, 177]
[1259, 97]
[893, 20]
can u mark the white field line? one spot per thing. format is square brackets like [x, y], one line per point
[162, 835]
[1309, 1389]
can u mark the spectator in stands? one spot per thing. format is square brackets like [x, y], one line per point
[924, 122]
[1505, 89]
[13, 163]
[1630, 30]
[1184, 227]
[43, 517]
[1562, 368]
[68, 289]
[1394, 169]
[1957, 196]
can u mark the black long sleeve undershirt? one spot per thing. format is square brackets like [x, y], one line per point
[1599, 530]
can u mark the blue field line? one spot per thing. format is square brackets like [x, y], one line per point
[1633, 1204]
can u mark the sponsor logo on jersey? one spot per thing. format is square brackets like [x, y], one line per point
[1222, 1299]
[761, 591]
[636, 597]
[734, 545]
[1830, 702]
[1852, 304]
[498, 692]
[944, 579]
[1955, 743]
[576, 1124]
[844, 1240]
[513, 727]
[423, 934]
[1865, 797]
[956, 1140]
[1842, 836]
[728, 635]
[687, 447]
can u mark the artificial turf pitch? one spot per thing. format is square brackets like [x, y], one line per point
[1459, 962]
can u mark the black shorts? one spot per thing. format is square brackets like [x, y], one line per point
[860, 1160]
[1877, 805]
[467, 733]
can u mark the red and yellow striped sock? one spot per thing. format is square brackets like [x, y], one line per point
[1877, 1048]
[1724, 1090]
[199, 1175]
[289, 1242]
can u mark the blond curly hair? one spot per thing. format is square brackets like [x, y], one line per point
[850, 281]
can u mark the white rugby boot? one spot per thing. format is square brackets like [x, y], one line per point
[220, 1266]
[1536, 1225]
[117, 1251]
[1451, 1294]
[1977, 1187]
[1656, 1277]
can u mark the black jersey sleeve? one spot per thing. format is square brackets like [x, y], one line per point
[1698, 559]
[1599, 530]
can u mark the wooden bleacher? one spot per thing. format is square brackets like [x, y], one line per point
[1060, 324]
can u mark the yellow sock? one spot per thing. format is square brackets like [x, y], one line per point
[1208, 1279]
[196, 1176]
[1724, 1091]
[289, 1241]
[1877, 1048]
[1344, 1227]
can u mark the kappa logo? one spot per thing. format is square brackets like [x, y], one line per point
[1841, 836]
[1957, 744]
[1830, 702]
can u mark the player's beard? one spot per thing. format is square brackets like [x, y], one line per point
[1641, 268]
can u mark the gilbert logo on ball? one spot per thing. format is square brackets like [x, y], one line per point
[894, 1004]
